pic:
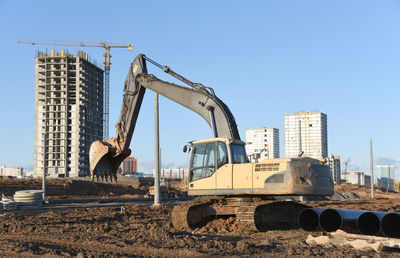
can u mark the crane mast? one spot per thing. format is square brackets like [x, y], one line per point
[107, 64]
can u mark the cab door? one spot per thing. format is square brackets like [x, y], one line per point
[202, 168]
[224, 169]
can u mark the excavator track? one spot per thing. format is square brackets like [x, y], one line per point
[252, 214]
[190, 215]
[245, 218]
[184, 219]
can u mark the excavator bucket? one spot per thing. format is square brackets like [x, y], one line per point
[106, 156]
[104, 161]
[98, 150]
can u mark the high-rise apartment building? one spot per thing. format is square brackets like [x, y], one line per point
[262, 141]
[68, 113]
[129, 165]
[385, 176]
[306, 134]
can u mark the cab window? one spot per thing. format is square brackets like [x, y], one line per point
[238, 153]
[203, 161]
[222, 154]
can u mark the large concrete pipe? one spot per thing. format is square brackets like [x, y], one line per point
[331, 220]
[390, 225]
[369, 223]
[309, 219]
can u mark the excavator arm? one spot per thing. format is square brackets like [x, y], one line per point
[106, 156]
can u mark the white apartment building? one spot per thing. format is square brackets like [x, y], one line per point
[334, 163]
[358, 178]
[68, 113]
[262, 141]
[16, 171]
[172, 173]
[306, 134]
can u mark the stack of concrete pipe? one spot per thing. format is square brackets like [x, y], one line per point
[352, 221]
[29, 198]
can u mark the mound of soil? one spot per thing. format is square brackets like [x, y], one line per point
[69, 188]
[365, 191]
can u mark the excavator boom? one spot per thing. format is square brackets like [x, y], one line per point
[106, 156]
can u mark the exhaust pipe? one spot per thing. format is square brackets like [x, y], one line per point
[308, 219]
[331, 220]
[390, 225]
[369, 223]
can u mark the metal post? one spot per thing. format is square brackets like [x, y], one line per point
[157, 153]
[44, 184]
[160, 164]
[44, 166]
[371, 168]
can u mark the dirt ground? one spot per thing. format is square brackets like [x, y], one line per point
[144, 231]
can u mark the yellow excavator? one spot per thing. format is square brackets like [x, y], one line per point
[218, 171]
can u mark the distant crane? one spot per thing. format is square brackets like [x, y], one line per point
[346, 162]
[107, 57]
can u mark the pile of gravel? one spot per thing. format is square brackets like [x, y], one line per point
[346, 196]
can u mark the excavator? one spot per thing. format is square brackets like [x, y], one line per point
[219, 173]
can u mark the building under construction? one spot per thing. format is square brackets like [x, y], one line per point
[68, 113]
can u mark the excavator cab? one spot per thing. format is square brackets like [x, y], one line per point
[219, 166]
[211, 154]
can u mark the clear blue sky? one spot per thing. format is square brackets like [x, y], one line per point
[263, 58]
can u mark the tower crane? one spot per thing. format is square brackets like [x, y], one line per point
[107, 57]
[346, 162]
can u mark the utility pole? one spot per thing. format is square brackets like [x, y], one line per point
[157, 153]
[371, 168]
[44, 185]
[44, 168]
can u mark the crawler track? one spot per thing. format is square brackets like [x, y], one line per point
[252, 214]
[188, 216]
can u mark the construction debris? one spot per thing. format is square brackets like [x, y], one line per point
[359, 242]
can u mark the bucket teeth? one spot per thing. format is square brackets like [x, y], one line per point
[104, 160]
